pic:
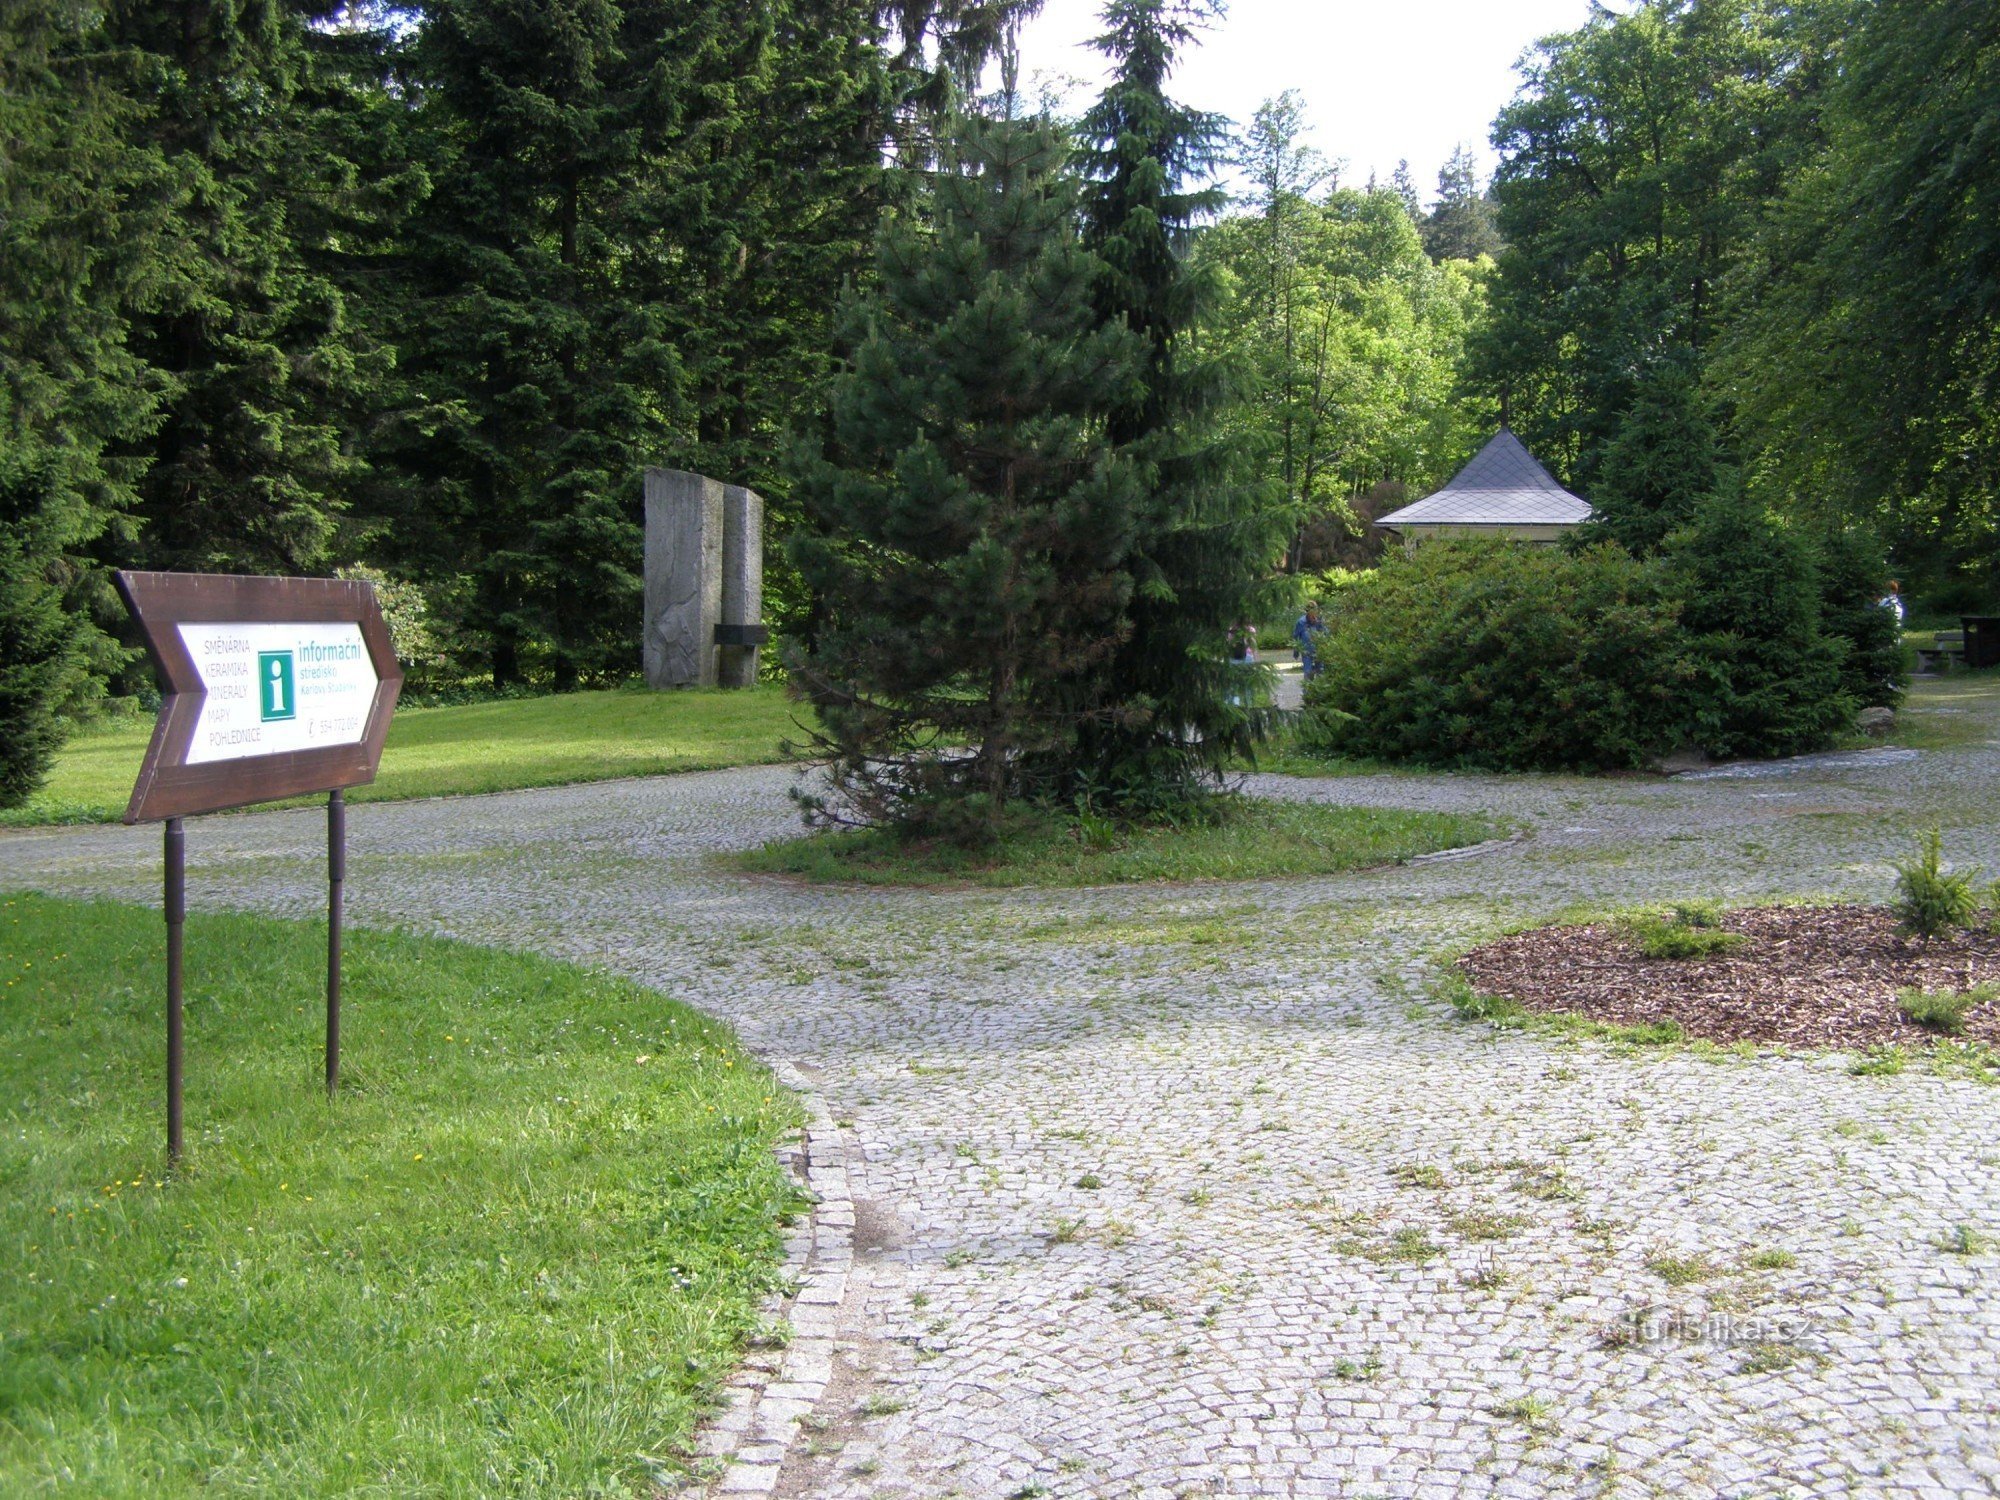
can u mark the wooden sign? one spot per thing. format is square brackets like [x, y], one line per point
[275, 687]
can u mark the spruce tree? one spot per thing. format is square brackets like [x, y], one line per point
[1405, 188]
[1205, 545]
[1464, 225]
[247, 468]
[81, 216]
[1770, 679]
[974, 516]
[539, 338]
[1661, 463]
[643, 215]
[1853, 580]
[43, 662]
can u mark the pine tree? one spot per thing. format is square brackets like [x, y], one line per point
[247, 468]
[1205, 547]
[1465, 223]
[1662, 462]
[539, 338]
[1405, 188]
[773, 218]
[974, 518]
[1770, 679]
[81, 212]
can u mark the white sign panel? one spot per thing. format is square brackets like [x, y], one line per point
[275, 688]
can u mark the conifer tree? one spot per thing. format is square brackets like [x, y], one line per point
[1205, 545]
[538, 337]
[81, 212]
[1405, 188]
[974, 514]
[1770, 679]
[247, 466]
[1661, 464]
[643, 215]
[1464, 225]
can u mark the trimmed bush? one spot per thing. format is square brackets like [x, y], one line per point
[1503, 656]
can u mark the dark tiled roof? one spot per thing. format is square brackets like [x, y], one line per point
[1502, 486]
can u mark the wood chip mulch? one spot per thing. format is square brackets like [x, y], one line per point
[1822, 976]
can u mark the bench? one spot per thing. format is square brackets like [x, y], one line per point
[1946, 651]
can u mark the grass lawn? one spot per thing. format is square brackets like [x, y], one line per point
[1257, 840]
[513, 1258]
[480, 747]
[1939, 713]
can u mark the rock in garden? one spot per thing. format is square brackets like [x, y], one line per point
[1875, 720]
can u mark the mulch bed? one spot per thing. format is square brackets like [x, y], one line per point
[1823, 976]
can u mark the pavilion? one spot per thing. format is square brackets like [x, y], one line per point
[1502, 492]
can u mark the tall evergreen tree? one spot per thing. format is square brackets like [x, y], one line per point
[773, 215]
[974, 514]
[1463, 226]
[643, 213]
[540, 335]
[248, 466]
[81, 227]
[1205, 543]
[1405, 188]
[1662, 462]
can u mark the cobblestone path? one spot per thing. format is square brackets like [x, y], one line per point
[1198, 1191]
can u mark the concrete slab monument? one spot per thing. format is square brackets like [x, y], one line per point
[704, 581]
[742, 585]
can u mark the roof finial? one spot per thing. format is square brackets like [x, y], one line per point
[1506, 404]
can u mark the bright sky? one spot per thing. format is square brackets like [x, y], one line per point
[1381, 79]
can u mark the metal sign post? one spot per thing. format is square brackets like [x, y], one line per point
[336, 900]
[275, 687]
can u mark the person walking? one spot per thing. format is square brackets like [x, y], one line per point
[1306, 635]
[1242, 653]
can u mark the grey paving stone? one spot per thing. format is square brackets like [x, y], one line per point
[1243, 1068]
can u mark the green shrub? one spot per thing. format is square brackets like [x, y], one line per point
[1697, 913]
[1943, 1011]
[1853, 576]
[1660, 938]
[1929, 899]
[1504, 656]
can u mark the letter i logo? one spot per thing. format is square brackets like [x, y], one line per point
[276, 699]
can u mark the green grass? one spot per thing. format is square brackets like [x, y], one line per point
[1285, 755]
[1941, 713]
[480, 747]
[1253, 840]
[515, 1257]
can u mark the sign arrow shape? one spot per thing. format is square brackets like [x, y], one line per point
[274, 688]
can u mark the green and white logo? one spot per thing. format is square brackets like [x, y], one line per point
[277, 698]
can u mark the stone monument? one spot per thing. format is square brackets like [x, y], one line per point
[704, 581]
